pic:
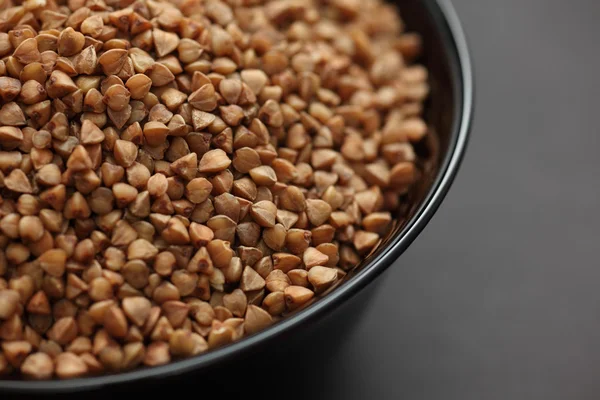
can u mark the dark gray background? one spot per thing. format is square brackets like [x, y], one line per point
[499, 298]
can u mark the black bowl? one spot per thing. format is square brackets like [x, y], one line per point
[449, 112]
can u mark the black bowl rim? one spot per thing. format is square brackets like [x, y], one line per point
[447, 21]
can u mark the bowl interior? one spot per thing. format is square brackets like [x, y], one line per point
[447, 112]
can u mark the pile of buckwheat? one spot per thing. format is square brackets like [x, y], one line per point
[176, 175]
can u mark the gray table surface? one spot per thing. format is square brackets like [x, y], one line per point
[499, 298]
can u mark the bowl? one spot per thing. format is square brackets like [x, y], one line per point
[449, 113]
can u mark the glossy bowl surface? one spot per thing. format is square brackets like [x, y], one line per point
[449, 111]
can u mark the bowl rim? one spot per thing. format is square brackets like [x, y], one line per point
[446, 20]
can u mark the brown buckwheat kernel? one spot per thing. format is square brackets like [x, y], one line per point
[178, 174]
